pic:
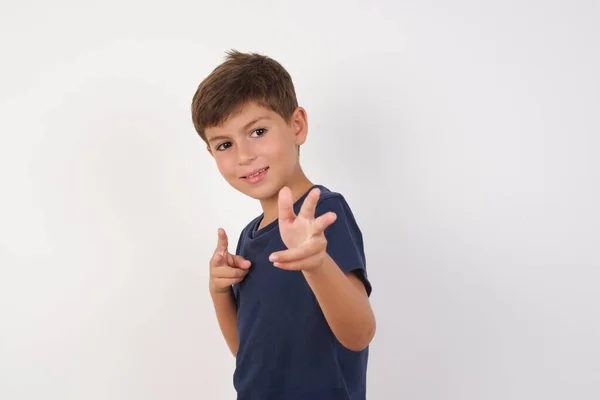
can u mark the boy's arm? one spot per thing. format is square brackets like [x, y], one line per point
[331, 259]
[226, 310]
[344, 302]
[225, 271]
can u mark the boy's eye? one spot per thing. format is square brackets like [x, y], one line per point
[259, 131]
[256, 133]
[223, 146]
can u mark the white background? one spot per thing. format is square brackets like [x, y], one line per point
[464, 134]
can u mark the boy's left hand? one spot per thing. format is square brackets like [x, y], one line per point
[303, 235]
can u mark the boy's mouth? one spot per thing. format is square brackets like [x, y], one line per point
[255, 175]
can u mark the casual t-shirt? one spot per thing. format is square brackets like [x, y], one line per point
[286, 349]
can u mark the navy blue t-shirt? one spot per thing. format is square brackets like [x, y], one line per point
[286, 349]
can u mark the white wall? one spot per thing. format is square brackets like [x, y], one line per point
[465, 135]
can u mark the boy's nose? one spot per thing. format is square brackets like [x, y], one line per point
[245, 155]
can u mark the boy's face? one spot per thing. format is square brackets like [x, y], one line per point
[256, 150]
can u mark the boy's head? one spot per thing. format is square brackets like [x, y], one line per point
[247, 113]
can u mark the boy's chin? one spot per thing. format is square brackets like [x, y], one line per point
[263, 192]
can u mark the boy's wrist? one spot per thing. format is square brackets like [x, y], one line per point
[317, 270]
[219, 291]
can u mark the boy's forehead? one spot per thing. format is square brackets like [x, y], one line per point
[251, 110]
[242, 119]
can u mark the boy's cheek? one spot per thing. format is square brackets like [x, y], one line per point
[225, 167]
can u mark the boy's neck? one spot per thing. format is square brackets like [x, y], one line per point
[300, 185]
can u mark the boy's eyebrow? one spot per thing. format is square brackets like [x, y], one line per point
[255, 120]
[244, 128]
[214, 139]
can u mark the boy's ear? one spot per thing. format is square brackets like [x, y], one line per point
[300, 124]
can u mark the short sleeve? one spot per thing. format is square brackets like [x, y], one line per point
[344, 238]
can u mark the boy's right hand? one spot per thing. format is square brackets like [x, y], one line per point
[226, 269]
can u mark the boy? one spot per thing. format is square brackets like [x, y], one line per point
[293, 301]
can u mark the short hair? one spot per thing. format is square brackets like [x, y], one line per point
[240, 79]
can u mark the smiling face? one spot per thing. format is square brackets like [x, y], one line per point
[256, 150]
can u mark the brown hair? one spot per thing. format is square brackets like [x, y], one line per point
[241, 78]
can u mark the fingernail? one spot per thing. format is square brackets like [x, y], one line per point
[273, 257]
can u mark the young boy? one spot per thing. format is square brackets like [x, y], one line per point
[293, 301]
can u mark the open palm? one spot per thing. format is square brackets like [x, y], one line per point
[302, 234]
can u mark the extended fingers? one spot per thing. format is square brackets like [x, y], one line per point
[324, 221]
[310, 204]
[285, 205]
[298, 253]
[301, 264]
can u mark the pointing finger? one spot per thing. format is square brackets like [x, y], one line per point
[222, 243]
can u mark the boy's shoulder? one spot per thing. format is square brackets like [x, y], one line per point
[328, 194]
[330, 200]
